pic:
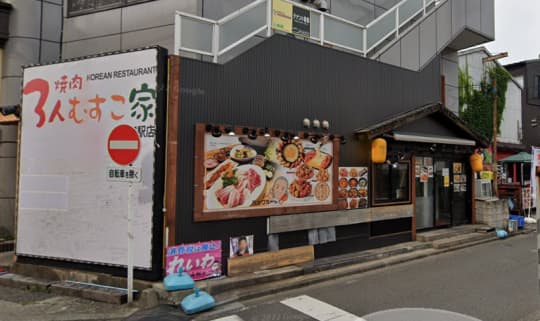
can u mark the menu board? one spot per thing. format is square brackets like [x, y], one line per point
[244, 173]
[353, 187]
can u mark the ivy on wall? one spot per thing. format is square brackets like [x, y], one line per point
[476, 101]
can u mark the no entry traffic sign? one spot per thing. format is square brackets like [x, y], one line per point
[124, 145]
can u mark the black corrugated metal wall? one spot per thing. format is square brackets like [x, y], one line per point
[277, 84]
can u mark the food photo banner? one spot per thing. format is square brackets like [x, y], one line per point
[248, 175]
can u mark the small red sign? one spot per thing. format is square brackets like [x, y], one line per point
[124, 145]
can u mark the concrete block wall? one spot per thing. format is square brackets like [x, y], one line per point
[493, 212]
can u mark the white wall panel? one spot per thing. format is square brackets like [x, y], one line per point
[458, 15]
[444, 24]
[52, 17]
[393, 55]
[410, 50]
[428, 39]
[20, 23]
[92, 25]
[162, 36]
[474, 15]
[90, 46]
[18, 52]
[155, 13]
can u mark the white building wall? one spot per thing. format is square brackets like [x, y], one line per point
[510, 131]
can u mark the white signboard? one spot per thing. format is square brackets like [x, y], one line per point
[535, 162]
[88, 127]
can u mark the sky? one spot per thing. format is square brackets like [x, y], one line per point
[516, 30]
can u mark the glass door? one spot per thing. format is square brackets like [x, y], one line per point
[424, 192]
[459, 194]
[443, 194]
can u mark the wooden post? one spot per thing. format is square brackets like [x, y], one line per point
[494, 157]
[173, 106]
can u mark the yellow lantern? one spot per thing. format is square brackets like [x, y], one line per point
[378, 151]
[476, 162]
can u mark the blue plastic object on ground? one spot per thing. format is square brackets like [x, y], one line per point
[179, 281]
[520, 219]
[197, 302]
[502, 234]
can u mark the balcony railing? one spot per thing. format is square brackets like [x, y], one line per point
[216, 37]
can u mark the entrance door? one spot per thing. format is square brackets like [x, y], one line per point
[443, 194]
[459, 194]
[424, 193]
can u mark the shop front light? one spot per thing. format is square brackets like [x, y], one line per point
[230, 131]
[266, 132]
[252, 134]
[216, 131]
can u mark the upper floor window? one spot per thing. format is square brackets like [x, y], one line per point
[78, 7]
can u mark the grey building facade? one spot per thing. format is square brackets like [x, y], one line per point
[33, 35]
[527, 74]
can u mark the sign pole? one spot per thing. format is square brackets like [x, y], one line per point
[130, 246]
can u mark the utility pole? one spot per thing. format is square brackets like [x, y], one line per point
[495, 116]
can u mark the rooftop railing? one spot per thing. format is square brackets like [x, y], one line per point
[214, 38]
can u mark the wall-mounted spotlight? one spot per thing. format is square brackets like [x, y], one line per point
[245, 130]
[216, 132]
[306, 123]
[316, 123]
[325, 124]
[209, 128]
[306, 135]
[230, 131]
[266, 133]
[285, 136]
[314, 139]
[295, 136]
[433, 148]
[252, 134]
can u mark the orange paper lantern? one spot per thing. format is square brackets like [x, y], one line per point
[378, 151]
[476, 162]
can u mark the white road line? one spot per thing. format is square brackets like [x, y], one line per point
[319, 310]
[229, 318]
[124, 144]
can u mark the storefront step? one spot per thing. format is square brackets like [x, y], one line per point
[462, 239]
[439, 234]
[364, 256]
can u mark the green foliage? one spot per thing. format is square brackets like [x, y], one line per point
[476, 102]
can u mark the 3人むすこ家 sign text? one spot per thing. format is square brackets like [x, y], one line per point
[88, 127]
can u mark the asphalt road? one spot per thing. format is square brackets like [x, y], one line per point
[495, 281]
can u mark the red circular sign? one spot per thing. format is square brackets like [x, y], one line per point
[124, 144]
